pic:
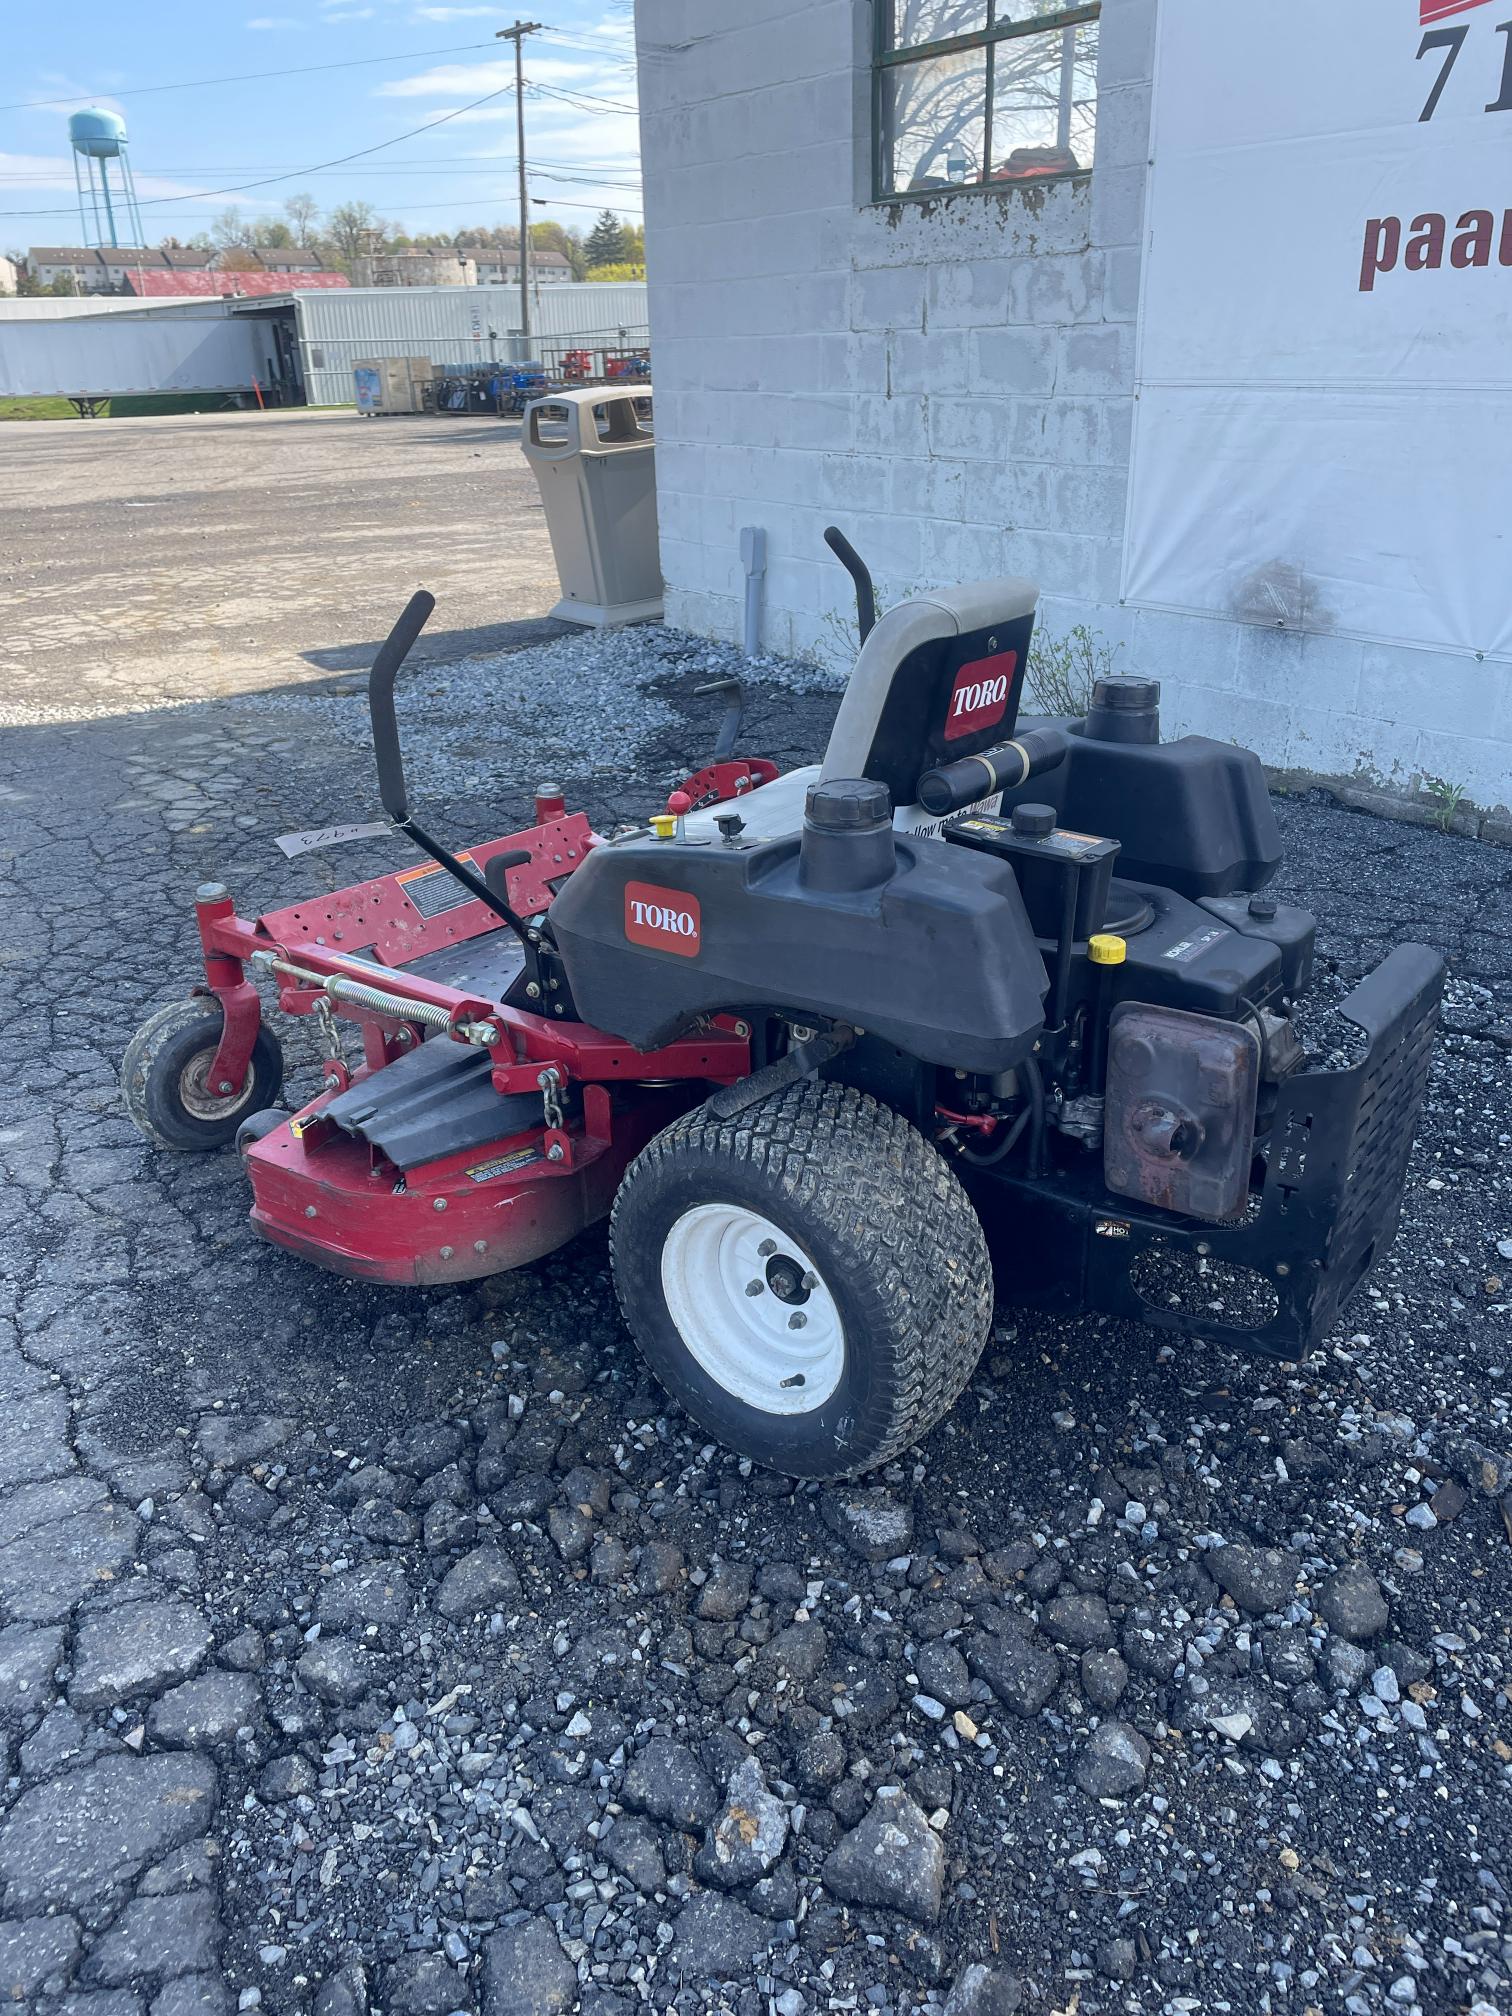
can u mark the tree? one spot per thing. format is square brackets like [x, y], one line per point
[229, 229]
[272, 234]
[622, 269]
[237, 259]
[303, 213]
[606, 241]
[354, 229]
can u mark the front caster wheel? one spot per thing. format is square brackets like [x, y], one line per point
[165, 1077]
[808, 1279]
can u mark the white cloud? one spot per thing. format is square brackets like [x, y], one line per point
[453, 13]
[470, 80]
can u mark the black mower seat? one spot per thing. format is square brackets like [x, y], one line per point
[433, 1101]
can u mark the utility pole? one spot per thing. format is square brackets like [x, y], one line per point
[517, 35]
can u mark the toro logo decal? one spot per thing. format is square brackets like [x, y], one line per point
[979, 698]
[668, 920]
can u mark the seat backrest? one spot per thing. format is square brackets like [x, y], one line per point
[939, 677]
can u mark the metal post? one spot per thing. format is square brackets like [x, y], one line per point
[1067, 89]
[517, 35]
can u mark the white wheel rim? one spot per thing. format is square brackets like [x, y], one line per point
[743, 1334]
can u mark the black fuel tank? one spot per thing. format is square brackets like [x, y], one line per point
[930, 950]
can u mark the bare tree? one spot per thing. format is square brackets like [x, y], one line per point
[303, 213]
[230, 230]
[354, 230]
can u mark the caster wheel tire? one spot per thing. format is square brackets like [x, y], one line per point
[808, 1279]
[256, 1125]
[164, 1077]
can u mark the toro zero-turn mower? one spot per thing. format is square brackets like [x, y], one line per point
[841, 1053]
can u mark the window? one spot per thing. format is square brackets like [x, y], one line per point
[979, 94]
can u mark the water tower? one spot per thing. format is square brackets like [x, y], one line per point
[98, 139]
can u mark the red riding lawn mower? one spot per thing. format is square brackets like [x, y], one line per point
[840, 1052]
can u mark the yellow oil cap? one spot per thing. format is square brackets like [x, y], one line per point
[663, 825]
[1106, 948]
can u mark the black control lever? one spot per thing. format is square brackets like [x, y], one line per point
[954, 785]
[392, 653]
[860, 573]
[729, 728]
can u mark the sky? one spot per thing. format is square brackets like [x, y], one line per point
[406, 64]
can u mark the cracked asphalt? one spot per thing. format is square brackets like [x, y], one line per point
[363, 1651]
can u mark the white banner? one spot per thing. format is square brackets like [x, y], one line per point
[1325, 371]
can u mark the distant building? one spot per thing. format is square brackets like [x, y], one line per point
[288, 259]
[445, 268]
[501, 267]
[107, 270]
[10, 273]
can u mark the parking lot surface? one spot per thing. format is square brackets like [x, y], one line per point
[409, 1652]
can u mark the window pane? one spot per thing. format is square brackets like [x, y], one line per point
[914, 21]
[934, 122]
[1008, 13]
[1044, 104]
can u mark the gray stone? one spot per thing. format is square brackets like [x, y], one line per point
[344, 1993]
[1020, 1673]
[335, 1672]
[632, 1848]
[1258, 1578]
[232, 1439]
[205, 1714]
[1104, 1676]
[1350, 1602]
[1345, 1664]
[425, 1448]
[943, 1672]
[714, 1939]
[31, 1951]
[82, 1838]
[28, 1660]
[287, 1777]
[871, 1522]
[375, 1594]
[424, 1984]
[158, 1938]
[892, 1859]
[659, 1569]
[135, 1649]
[667, 1781]
[727, 1593]
[1080, 1621]
[486, 1579]
[246, 1652]
[571, 1531]
[248, 1504]
[981, 1990]
[526, 1973]
[195, 1995]
[1114, 1761]
[748, 1835]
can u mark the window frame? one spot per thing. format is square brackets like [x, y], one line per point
[886, 58]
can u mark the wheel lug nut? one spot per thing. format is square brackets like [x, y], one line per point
[811, 1279]
[797, 1320]
[754, 1287]
[767, 1248]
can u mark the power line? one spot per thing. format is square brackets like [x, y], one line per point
[251, 76]
[295, 174]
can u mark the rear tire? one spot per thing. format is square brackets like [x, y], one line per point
[819, 1203]
[164, 1077]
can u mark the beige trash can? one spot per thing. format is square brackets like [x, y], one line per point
[595, 459]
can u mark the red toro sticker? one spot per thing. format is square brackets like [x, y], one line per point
[979, 698]
[668, 920]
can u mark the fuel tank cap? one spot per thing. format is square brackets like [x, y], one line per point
[842, 804]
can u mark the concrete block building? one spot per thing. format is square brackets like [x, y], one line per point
[901, 279]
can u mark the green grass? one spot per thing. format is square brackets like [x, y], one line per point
[35, 409]
[130, 407]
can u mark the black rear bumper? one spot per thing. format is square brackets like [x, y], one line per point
[1336, 1164]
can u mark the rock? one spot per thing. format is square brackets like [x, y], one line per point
[446, 1527]
[819, 1760]
[247, 1652]
[1345, 1665]
[715, 1938]
[1258, 1578]
[32, 1949]
[1350, 1602]
[748, 1836]
[29, 1657]
[1117, 1959]
[943, 1672]
[726, 1594]
[248, 1504]
[486, 1579]
[667, 1781]
[425, 1448]
[289, 1777]
[1288, 1658]
[137, 1648]
[871, 1522]
[893, 1860]
[232, 1439]
[1081, 1621]
[424, 1984]
[659, 1569]
[526, 1973]
[980, 1990]
[797, 1653]
[345, 1993]
[571, 1531]
[375, 1594]
[205, 1714]
[334, 1672]
[1104, 1676]
[194, 1995]
[632, 1848]
[82, 1838]
[160, 1937]
[1020, 1673]
[1114, 1761]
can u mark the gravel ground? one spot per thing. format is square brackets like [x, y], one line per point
[407, 1653]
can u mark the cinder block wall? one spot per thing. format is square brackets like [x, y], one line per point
[953, 384]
